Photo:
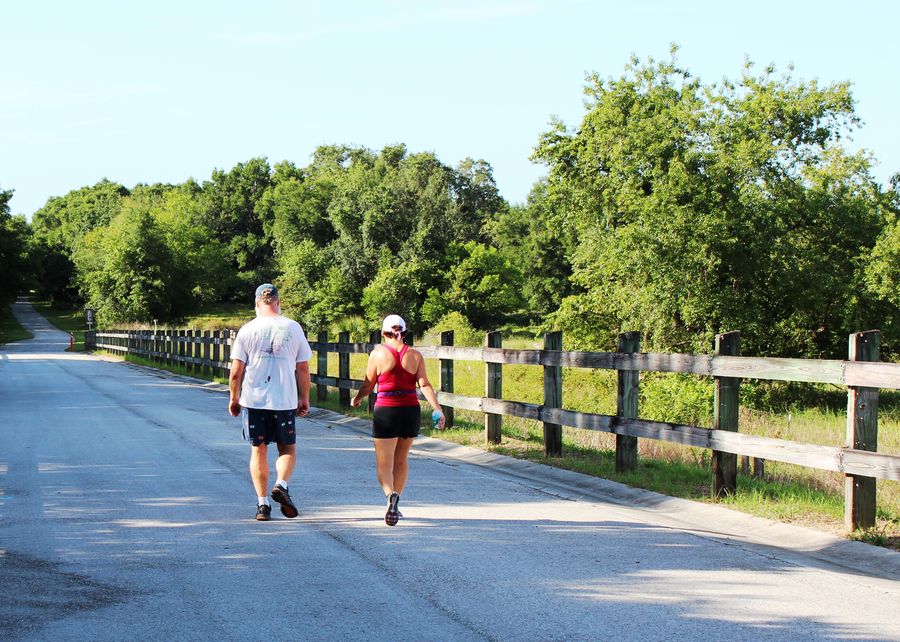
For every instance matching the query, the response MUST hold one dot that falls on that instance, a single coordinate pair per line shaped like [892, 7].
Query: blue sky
[166, 91]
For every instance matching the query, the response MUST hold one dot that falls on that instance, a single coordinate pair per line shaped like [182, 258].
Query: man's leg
[384, 463]
[401, 463]
[259, 469]
[287, 459]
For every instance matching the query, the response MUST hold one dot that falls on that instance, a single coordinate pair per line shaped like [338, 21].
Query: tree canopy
[677, 208]
[14, 241]
[702, 208]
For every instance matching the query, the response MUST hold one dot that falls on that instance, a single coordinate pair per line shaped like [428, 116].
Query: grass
[10, 330]
[221, 317]
[787, 493]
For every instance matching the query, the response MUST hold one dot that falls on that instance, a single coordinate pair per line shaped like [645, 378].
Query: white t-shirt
[271, 348]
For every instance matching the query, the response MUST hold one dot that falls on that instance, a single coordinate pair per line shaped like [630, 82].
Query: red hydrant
[71, 341]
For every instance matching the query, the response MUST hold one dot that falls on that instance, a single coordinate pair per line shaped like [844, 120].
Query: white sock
[281, 483]
[262, 501]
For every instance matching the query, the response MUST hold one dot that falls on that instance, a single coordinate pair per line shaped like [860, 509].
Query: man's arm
[235, 381]
[302, 374]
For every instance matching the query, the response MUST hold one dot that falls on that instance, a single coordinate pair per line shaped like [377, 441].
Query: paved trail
[126, 513]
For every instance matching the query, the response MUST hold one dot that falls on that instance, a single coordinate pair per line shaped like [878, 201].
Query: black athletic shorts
[396, 421]
[266, 426]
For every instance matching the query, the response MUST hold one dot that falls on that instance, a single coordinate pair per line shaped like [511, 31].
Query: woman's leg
[401, 463]
[384, 463]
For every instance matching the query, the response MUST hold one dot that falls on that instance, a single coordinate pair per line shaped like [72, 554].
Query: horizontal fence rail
[209, 352]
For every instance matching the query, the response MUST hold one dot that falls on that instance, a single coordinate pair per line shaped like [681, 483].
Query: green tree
[14, 240]
[302, 267]
[394, 217]
[297, 210]
[125, 269]
[539, 241]
[200, 271]
[65, 219]
[395, 290]
[230, 211]
[58, 229]
[483, 286]
[700, 209]
[882, 269]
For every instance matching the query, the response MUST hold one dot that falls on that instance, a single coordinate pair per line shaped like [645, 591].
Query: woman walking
[396, 369]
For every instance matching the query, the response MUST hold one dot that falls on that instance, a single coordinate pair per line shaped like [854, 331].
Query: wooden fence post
[216, 337]
[552, 397]
[445, 377]
[344, 369]
[374, 339]
[228, 337]
[627, 402]
[207, 353]
[862, 434]
[493, 389]
[198, 351]
[322, 366]
[725, 417]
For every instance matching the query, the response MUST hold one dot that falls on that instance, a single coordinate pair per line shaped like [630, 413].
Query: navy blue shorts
[266, 426]
[389, 422]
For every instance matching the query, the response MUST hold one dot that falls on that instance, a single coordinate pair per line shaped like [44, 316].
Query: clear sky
[163, 91]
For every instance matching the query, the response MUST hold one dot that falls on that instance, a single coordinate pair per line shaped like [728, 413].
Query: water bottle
[436, 418]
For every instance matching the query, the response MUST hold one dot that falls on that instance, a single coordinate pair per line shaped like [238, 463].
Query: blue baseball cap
[267, 290]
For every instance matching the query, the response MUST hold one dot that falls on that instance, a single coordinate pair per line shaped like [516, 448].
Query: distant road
[126, 513]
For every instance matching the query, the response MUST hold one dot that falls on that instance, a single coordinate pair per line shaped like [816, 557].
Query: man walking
[270, 378]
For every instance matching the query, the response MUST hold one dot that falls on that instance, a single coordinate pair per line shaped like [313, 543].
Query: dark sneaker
[392, 516]
[263, 513]
[280, 495]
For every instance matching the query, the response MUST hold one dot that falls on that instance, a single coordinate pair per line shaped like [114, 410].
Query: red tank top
[397, 387]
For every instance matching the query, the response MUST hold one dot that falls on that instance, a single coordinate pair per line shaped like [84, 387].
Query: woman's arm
[428, 391]
[368, 383]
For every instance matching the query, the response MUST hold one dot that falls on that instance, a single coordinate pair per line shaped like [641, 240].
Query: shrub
[463, 332]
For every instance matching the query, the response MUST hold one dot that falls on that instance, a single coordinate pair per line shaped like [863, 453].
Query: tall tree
[539, 241]
[230, 212]
[59, 227]
[14, 236]
[700, 209]
[125, 269]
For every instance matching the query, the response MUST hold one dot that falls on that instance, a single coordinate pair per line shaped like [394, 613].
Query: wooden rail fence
[208, 353]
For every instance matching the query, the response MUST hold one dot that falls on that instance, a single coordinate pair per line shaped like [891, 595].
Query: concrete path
[126, 513]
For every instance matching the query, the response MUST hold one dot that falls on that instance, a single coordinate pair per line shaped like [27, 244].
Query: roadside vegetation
[10, 330]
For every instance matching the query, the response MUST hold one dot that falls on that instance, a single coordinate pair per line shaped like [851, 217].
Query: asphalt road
[126, 513]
